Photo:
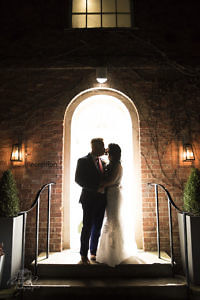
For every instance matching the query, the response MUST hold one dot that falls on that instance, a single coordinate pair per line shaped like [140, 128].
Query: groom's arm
[84, 177]
[80, 173]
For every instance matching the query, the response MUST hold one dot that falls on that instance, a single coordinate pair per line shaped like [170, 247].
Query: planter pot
[2, 260]
[193, 245]
[11, 236]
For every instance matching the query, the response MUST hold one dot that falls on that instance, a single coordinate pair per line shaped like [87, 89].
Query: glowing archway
[116, 121]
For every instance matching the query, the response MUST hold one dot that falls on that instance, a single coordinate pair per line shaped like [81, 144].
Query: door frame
[66, 158]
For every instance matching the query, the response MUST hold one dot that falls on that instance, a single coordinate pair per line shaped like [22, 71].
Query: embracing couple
[101, 196]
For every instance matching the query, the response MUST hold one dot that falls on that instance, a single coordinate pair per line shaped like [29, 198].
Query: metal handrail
[36, 204]
[170, 204]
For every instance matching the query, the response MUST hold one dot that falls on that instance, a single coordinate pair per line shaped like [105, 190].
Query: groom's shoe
[93, 257]
[84, 260]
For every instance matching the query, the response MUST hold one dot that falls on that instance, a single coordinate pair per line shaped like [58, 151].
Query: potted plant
[191, 205]
[11, 226]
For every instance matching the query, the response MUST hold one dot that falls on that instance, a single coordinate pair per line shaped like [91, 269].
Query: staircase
[142, 276]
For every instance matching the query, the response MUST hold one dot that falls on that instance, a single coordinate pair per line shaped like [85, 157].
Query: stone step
[169, 288]
[65, 265]
[95, 271]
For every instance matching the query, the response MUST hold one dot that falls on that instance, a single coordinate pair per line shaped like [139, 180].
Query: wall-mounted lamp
[101, 75]
[188, 153]
[16, 154]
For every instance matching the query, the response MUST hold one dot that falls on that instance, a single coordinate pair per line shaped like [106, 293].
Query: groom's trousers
[93, 205]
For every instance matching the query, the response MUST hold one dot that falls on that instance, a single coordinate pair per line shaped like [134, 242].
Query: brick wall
[33, 108]
[44, 67]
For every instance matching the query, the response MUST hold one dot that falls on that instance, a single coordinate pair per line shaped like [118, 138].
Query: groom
[89, 172]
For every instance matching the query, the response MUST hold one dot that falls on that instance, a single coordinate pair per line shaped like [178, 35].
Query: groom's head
[97, 145]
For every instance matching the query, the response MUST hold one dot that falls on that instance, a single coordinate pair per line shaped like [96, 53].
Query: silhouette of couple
[101, 196]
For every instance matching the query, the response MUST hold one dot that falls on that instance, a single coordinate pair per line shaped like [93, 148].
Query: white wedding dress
[111, 247]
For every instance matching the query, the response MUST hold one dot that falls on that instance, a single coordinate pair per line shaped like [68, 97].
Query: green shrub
[191, 195]
[9, 200]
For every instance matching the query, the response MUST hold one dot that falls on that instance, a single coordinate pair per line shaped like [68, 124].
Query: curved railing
[170, 205]
[36, 204]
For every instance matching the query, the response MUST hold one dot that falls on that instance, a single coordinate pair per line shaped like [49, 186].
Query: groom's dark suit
[88, 176]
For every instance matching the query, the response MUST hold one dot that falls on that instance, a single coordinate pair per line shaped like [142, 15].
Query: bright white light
[101, 75]
[101, 80]
[107, 117]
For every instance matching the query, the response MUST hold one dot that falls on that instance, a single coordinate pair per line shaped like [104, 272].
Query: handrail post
[170, 232]
[36, 204]
[37, 233]
[170, 204]
[48, 220]
[157, 220]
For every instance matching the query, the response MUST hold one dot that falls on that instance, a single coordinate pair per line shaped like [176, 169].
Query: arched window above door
[102, 13]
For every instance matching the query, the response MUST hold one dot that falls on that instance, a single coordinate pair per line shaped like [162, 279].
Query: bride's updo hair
[114, 151]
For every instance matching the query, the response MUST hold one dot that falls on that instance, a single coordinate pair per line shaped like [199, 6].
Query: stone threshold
[72, 257]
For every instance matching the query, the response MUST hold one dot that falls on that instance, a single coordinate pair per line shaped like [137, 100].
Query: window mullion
[101, 14]
[132, 12]
[86, 15]
[116, 13]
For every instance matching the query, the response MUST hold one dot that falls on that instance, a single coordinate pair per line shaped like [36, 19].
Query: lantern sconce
[188, 153]
[101, 75]
[16, 154]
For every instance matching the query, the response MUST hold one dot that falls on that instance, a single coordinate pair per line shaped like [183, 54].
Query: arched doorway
[109, 114]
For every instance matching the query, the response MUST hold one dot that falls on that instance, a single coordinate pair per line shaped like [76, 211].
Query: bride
[111, 249]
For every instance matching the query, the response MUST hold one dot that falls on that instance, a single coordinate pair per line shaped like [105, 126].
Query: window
[101, 13]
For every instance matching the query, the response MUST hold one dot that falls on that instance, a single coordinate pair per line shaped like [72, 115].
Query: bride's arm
[111, 179]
